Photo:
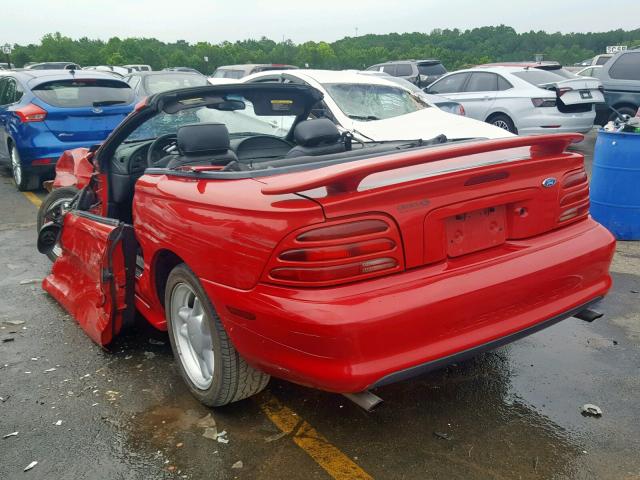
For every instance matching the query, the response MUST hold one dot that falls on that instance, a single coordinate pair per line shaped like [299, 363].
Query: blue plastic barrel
[615, 184]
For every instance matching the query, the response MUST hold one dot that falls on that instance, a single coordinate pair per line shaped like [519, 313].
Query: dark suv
[620, 78]
[420, 72]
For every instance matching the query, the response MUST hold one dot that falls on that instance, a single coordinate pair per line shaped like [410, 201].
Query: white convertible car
[376, 109]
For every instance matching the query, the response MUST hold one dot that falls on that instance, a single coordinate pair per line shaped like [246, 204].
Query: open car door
[93, 278]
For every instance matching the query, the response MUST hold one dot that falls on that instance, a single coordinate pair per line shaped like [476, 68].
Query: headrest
[203, 138]
[311, 133]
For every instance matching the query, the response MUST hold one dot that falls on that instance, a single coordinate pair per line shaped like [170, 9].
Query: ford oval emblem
[97, 110]
[549, 182]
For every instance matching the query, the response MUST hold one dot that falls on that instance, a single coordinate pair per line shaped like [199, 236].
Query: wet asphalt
[513, 413]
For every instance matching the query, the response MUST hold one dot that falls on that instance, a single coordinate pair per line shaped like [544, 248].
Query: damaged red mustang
[270, 243]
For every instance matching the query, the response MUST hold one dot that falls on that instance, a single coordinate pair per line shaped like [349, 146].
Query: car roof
[522, 64]
[410, 60]
[165, 72]
[35, 77]
[497, 69]
[329, 76]
[240, 66]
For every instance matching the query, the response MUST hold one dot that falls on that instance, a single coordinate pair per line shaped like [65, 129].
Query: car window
[602, 60]
[390, 69]
[537, 77]
[449, 84]
[3, 85]
[9, 92]
[503, 83]
[404, 70]
[242, 122]
[172, 81]
[626, 67]
[374, 68]
[84, 92]
[482, 82]
[431, 69]
[362, 101]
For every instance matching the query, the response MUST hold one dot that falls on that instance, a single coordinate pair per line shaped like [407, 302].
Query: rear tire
[52, 209]
[623, 111]
[24, 180]
[216, 380]
[503, 121]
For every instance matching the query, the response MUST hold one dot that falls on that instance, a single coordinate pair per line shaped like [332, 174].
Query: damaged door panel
[93, 279]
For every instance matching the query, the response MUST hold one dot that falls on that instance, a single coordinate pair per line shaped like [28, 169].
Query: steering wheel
[161, 147]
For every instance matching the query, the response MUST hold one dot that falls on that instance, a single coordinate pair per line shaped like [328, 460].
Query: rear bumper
[550, 120]
[349, 338]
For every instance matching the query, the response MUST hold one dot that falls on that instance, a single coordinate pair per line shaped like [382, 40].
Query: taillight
[461, 111]
[543, 102]
[339, 252]
[561, 91]
[574, 196]
[31, 113]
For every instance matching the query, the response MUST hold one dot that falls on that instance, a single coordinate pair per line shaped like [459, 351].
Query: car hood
[425, 124]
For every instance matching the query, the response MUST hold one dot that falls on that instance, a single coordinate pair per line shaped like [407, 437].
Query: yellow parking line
[332, 460]
[33, 198]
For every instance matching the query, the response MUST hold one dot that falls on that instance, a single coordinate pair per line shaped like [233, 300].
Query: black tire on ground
[623, 111]
[502, 121]
[233, 379]
[51, 209]
[23, 179]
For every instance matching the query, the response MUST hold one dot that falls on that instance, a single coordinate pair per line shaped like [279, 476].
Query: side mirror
[48, 237]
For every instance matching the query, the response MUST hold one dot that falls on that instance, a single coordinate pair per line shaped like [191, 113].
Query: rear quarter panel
[224, 230]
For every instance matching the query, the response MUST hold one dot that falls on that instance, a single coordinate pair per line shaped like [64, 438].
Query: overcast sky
[26, 21]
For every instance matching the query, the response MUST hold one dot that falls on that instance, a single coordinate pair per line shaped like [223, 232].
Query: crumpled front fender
[74, 168]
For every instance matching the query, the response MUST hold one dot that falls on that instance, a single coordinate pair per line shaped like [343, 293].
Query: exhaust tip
[588, 315]
[366, 400]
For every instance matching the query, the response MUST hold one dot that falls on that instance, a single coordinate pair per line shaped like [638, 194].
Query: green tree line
[455, 48]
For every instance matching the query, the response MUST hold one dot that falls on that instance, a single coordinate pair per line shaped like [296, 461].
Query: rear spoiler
[347, 177]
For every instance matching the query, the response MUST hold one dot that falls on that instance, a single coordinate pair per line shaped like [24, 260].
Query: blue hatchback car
[45, 112]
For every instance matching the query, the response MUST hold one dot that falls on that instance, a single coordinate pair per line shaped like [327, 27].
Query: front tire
[209, 364]
[52, 210]
[503, 121]
[23, 180]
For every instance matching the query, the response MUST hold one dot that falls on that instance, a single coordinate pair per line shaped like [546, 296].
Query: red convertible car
[269, 243]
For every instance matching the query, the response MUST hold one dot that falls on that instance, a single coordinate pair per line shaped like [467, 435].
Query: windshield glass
[431, 69]
[239, 122]
[537, 77]
[88, 92]
[172, 81]
[361, 101]
[227, 73]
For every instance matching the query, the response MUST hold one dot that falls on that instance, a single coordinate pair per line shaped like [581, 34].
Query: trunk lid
[578, 91]
[454, 201]
[83, 110]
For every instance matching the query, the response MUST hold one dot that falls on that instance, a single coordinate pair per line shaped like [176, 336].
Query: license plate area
[585, 94]
[477, 230]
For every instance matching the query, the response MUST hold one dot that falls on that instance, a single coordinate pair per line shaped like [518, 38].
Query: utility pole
[356, 31]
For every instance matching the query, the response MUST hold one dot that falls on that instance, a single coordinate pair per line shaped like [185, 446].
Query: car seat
[202, 144]
[316, 137]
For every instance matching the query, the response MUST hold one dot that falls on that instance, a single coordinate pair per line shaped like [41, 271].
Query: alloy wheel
[15, 166]
[502, 124]
[192, 333]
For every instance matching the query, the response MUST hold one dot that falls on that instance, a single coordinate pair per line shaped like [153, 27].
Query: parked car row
[50, 107]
